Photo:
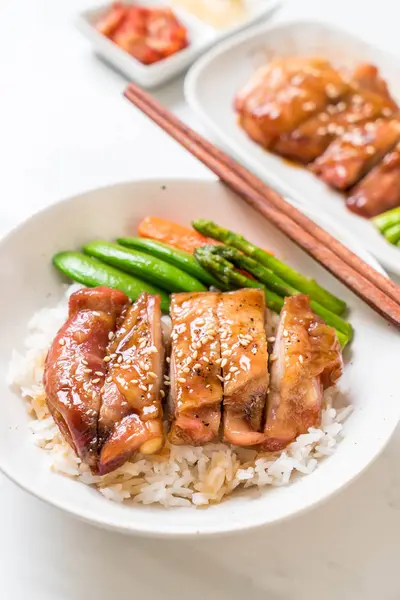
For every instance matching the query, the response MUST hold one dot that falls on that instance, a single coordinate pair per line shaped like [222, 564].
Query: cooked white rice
[180, 475]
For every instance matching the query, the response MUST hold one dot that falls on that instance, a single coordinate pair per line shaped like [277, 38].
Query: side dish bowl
[370, 381]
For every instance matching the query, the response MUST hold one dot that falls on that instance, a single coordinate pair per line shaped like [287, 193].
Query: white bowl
[30, 282]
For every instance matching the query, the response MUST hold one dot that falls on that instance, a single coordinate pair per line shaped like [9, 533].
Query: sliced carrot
[173, 234]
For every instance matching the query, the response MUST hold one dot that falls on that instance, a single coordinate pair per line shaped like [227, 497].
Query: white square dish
[211, 96]
[201, 37]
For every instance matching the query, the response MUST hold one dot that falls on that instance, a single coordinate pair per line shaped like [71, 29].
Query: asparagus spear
[387, 219]
[223, 269]
[392, 234]
[274, 283]
[289, 275]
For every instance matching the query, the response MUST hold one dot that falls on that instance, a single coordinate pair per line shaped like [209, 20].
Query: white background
[64, 128]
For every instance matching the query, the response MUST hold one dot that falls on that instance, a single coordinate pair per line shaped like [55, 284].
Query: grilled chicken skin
[379, 191]
[195, 385]
[244, 353]
[75, 368]
[131, 411]
[313, 136]
[285, 93]
[306, 359]
[354, 153]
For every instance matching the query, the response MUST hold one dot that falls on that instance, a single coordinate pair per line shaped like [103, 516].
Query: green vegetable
[174, 256]
[392, 234]
[91, 272]
[289, 275]
[387, 219]
[153, 270]
[274, 283]
[222, 268]
[232, 278]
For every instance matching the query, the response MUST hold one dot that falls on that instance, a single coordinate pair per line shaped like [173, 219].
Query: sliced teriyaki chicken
[131, 411]
[358, 150]
[311, 138]
[379, 191]
[195, 386]
[244, 354]
[306, 360]
[285, 93]
[75, 368]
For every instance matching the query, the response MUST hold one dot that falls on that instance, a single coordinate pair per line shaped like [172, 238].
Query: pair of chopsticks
[372, 287]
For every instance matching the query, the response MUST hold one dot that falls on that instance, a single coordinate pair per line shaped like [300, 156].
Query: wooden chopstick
[380, 293]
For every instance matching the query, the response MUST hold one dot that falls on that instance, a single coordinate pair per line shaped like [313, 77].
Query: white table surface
[64, 127]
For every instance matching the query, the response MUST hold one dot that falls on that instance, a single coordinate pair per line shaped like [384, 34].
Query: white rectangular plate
[214, 80]
[201, 36]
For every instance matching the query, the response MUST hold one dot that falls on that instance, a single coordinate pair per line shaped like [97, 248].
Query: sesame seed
[220, 378]
[271, 339]
[273, 357]
[113, 355]
[233, 369]
[211, 332]
[200, 322]
[181, 380]
[387, 112]
[153, 350]
[254, 350]
[332, 91]
[168, 359]
[99, 373]
[87, 370]
[61, 341]
[223, 362]
[197, 366]
[146, 367]
[96, 380]
[166, 376]
[208, 385]
[142, 344]
[194, 355]
[162, 393]
[128, 361]
[150, 387]
[167, 383]
[111, 335]
[285, 333]
[106, 359]
[186, 370]
[226, 353]
[153, 375]
[301, 359]
[142, 365]
[309, 106]
[205, 359]
[134, 381]
[84, 362]
[227, 378]
[189, 360]
[109, 379]
[119, 358]
[218, 361]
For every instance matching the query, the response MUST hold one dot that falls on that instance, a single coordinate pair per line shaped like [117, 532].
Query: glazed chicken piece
[306, 360]
[244, 353]
[131, 411]
[75, 368]
[285, 93]
[353, 154]
[379, 191]
[196, 389]
[367, 77]
[369, 99]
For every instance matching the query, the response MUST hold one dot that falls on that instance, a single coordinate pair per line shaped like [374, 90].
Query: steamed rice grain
[179, 475]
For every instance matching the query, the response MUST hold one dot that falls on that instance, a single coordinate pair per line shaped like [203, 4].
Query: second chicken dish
[342, 125]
